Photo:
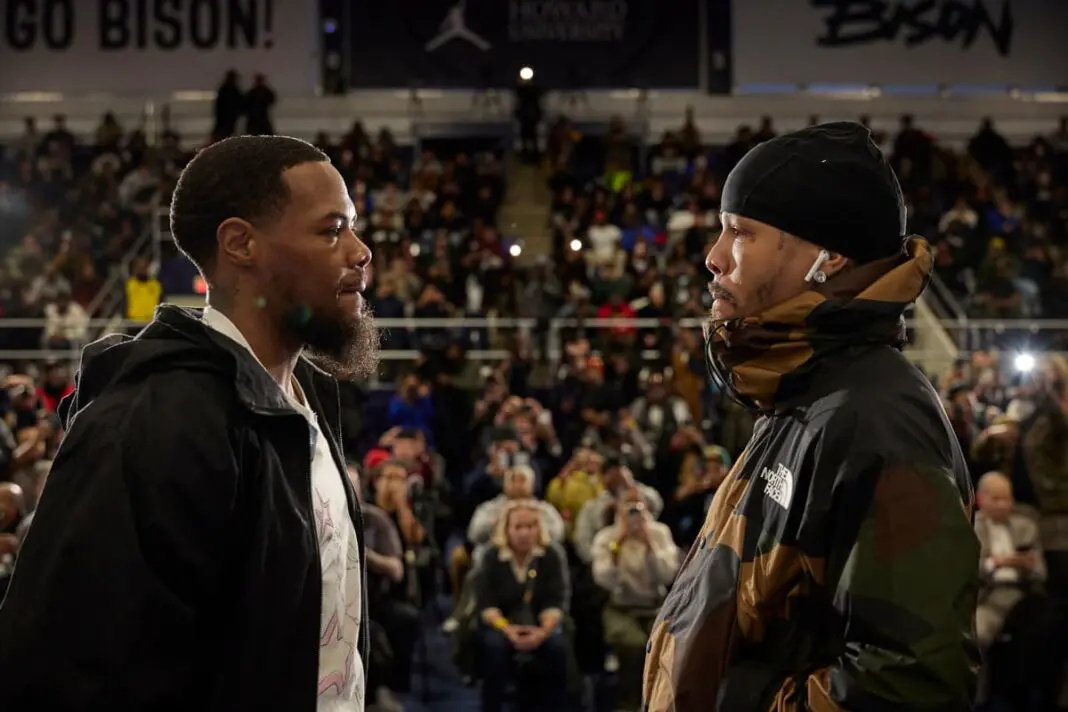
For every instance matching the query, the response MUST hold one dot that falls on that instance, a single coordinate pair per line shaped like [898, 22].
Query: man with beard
[199, 544]
[837, 568]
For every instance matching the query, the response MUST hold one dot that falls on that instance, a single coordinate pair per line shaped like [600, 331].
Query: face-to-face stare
[755, 266]
[315, 271]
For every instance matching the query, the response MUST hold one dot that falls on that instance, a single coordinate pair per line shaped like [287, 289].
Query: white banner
[901, 42]
[155, 46]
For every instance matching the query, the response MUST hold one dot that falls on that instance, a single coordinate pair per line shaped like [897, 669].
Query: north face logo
[778, 484]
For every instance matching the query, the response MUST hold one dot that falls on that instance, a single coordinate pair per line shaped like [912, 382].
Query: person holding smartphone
[634, 560]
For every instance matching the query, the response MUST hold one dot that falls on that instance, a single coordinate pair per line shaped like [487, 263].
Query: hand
[1026, 560]
[18, 379]
[1014, 560]
[1005, 433]
[530, 638]
[398, 496]
[389, 436]
[514, 634]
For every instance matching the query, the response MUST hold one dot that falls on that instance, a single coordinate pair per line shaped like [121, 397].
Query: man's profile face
[313, 269]
[755, 266]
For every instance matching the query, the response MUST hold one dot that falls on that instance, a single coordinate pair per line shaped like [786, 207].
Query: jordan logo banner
[478, 43]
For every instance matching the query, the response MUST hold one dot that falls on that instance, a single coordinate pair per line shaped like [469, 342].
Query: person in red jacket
[55, 387]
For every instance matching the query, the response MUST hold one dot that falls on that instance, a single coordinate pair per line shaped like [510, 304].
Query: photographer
[701, 477]
[390, 483]
[485, 481]
[396, 617]
[618, 480]
[634, 560]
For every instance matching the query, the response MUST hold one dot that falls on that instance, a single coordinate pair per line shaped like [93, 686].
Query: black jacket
[173, 560]
[497, 587]
[837, 568]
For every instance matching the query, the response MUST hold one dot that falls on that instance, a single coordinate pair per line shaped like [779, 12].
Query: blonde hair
[500, 532]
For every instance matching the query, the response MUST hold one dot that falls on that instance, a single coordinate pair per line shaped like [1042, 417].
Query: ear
[835, 264]
[237, 244]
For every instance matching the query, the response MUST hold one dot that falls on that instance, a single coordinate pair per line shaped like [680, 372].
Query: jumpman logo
[454, 27]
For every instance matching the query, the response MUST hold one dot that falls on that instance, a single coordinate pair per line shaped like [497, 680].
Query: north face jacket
[173, 562]
[837, 566]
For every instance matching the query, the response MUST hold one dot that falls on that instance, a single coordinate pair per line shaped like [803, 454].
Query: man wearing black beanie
[837, 568]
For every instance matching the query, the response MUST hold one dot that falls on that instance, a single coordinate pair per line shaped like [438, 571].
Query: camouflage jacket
[837, 567]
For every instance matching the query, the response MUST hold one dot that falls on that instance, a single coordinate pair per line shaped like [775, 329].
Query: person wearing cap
[837, 566]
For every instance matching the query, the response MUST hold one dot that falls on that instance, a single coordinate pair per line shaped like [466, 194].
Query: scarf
[765, 359]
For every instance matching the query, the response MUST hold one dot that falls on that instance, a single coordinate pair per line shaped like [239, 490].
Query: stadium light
[1024, 362]
[515, 250]
[526, 74]
[576, 245]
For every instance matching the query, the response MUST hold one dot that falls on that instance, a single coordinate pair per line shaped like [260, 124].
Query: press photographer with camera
[634, 560]
[617, 480]
[395, 620]
[485, 481]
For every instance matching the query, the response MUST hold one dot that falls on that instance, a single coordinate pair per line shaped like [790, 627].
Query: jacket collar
[765, 361]
[255, 387]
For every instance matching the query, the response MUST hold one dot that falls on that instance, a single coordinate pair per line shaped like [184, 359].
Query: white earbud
[815, 274]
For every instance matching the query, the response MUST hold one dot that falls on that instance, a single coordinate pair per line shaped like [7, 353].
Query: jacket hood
[176, 339]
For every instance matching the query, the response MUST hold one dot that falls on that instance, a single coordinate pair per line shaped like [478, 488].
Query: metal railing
[1023, 330]
[112, 292]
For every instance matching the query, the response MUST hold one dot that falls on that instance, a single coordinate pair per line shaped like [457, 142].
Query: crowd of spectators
[70, 209]
[534, 501]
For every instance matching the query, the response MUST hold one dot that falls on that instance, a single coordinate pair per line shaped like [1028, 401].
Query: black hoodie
[173, 560]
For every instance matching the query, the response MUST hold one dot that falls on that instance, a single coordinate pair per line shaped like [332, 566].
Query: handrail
[118, 275]
[385, 354]
[946, 296]
[1033, 325]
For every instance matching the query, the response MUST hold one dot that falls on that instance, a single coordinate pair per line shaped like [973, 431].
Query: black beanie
[828, 184]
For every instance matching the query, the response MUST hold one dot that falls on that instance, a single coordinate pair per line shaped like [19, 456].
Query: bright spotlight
[1024, 363]
[526, 74]
[576, 245]
[515, 250]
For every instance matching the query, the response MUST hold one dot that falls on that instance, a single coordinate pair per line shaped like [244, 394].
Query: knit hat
[827, 184]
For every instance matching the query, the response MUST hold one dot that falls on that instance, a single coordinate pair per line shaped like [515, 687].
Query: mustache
[719, 292]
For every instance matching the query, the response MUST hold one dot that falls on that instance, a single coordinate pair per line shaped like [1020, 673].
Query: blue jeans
[540, 679]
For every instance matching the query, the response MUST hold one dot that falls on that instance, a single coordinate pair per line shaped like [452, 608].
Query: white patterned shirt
[341, 681]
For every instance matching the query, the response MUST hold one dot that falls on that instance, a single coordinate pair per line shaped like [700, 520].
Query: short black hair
[239, 177]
